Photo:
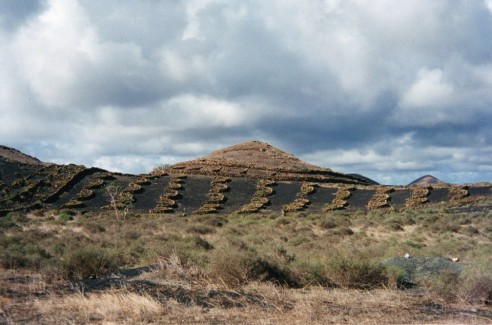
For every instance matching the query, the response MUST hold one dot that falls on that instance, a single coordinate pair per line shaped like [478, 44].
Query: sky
[392, 90]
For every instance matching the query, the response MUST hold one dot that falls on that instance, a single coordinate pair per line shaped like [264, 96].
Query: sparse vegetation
[264, 267]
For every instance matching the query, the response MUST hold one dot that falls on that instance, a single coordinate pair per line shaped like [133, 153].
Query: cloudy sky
[389, 89]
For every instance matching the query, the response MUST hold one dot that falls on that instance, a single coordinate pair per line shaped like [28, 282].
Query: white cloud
[189, 111]
[488, 4]
[429, 90]
[340, 79]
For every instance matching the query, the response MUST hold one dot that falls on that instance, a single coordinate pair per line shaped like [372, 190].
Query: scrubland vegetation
[56, 267]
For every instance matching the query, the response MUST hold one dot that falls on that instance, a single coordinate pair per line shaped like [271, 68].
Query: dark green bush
[7, 222]
[65, 217]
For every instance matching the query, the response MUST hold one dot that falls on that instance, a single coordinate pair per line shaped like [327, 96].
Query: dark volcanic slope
[26, 184]
[240, 193]
[364, 178]
[259, 160]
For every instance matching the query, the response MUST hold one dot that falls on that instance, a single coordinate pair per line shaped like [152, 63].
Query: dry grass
[105, 307]
[282, 306]
[246, 269]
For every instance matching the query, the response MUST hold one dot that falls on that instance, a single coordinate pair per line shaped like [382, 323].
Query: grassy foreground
[243, 269]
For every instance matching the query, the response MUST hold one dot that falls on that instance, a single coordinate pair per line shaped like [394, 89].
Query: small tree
[119, 201]
[161, 167]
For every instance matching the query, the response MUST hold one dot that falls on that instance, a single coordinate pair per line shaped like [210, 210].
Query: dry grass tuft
[111, 306]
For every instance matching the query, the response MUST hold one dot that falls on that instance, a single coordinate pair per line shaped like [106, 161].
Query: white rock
[407, 255]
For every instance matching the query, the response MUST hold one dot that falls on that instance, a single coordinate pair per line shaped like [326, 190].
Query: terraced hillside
[251, 177]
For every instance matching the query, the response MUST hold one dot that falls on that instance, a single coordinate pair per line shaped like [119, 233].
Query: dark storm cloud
[383, 88]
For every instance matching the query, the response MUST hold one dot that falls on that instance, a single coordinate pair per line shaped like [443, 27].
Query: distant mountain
[364, 178]
[426, 180]
[13, 155]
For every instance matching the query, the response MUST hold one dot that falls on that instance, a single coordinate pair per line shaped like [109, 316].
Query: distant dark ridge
[364, 178]
[427, 180]
[13, 155]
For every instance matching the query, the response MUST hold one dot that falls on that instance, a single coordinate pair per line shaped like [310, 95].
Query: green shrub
[298, 240]
[236, 268]
[312, 272]
[394, 225]
[200, 229]
[356, 271]
[444, 286]
[15, 252]
[94, 227]
[216, 222]
[470, 231]
[341, 231]
[414, 244]
[202, 243]
[90, 262]
[328, 223]
[65, 217]
[7, 222]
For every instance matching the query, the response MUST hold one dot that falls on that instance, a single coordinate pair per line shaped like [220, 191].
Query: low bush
[444, 286]
[478, 289]
[16, 253]
[354, 270]
[200, 229]
[236, 268]
[90, 262]
[7, 222]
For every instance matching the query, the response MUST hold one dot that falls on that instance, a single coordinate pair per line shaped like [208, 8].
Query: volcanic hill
[426, 180]
[15, 156]
[259, 160]
[251, 177]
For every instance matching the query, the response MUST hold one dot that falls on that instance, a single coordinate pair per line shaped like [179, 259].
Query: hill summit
[256, 159]
[15, 156]
[426, 180]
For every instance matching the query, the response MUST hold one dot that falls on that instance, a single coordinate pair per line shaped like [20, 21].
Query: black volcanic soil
[480, 190]
[10, 171]
[320, 198]
[399, 197]
[195, 194]
[438, 195]
[50, 186]
[360, 198]
[240, 193]
[284, 193]
[149, 198]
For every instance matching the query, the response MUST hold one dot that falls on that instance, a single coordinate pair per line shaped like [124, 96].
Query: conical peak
[260, 154]
[260, 160]
[426, 180]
